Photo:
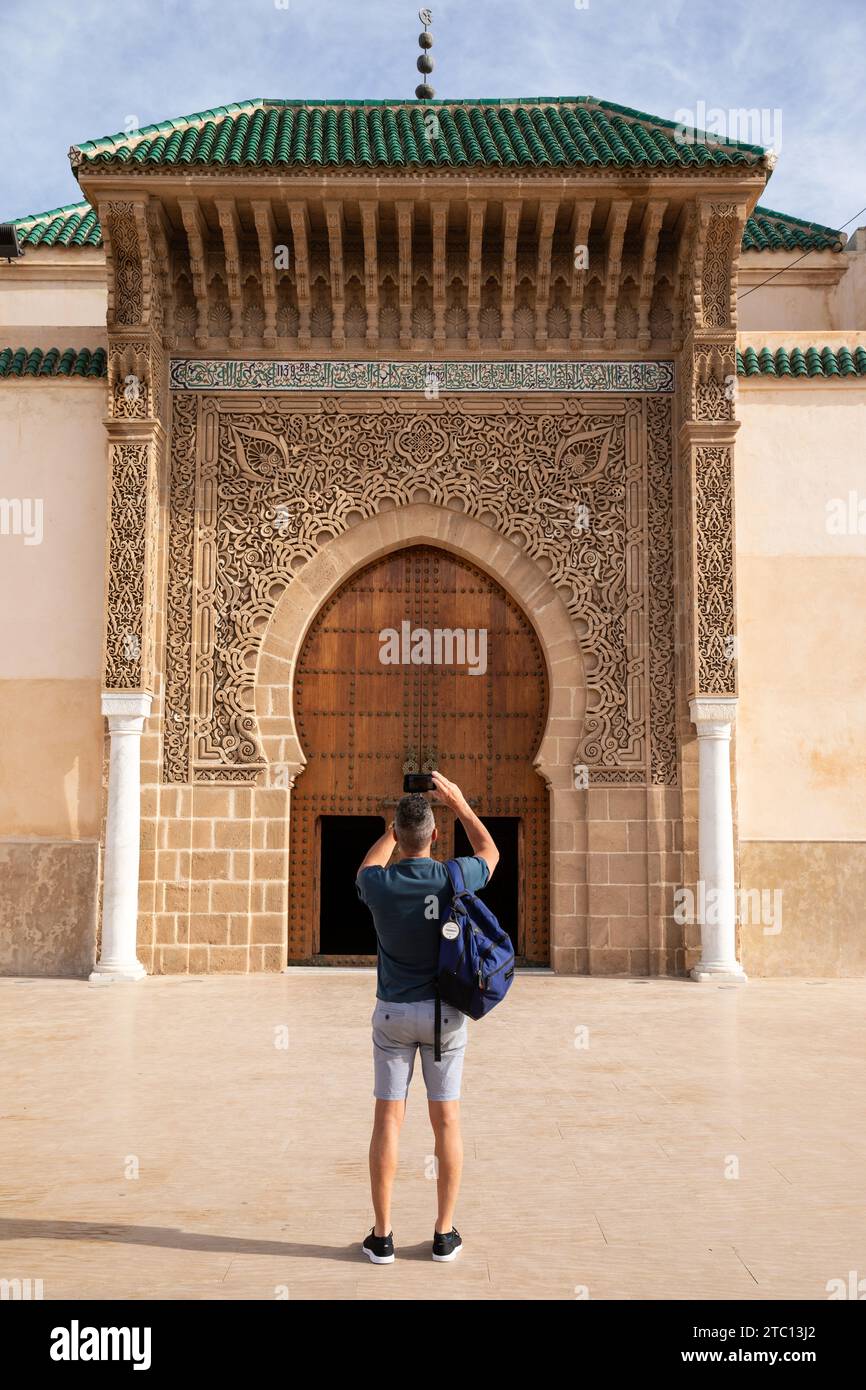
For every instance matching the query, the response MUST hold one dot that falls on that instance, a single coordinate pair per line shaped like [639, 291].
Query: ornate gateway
[310, 369]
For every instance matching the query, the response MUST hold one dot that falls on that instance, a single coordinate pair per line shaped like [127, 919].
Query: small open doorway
[346, 934]
[345, 924]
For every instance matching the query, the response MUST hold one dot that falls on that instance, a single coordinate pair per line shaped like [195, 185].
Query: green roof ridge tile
[284, 138]
[798, 363]
[812, 361]
[52, 362]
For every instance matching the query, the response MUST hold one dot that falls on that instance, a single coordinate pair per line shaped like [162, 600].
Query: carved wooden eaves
[477, 210]
[544, 236]
[370, 224]
[301, 238]
[228, 220]
[266, 231]
[650, 228]
[581, 219]
[614, 235]
[196, 234]
[683, 302]
[439, 225]
[405, 211]
[510, 225]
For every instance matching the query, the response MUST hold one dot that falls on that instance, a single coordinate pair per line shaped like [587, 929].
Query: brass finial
[424, 92]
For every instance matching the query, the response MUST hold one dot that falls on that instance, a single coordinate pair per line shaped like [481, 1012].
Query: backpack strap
[458, 886]
[455, 874]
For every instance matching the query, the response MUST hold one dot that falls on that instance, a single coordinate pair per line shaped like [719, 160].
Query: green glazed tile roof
[76, 224]
[784, 362]
[56, 362]
[777, 231]
[530, 132]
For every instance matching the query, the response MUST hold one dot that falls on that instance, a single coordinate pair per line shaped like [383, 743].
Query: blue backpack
[476, 957]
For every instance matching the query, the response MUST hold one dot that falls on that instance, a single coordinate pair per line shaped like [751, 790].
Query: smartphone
[418, 782]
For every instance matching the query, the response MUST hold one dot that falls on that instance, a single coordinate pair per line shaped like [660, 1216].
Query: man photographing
[407, 901]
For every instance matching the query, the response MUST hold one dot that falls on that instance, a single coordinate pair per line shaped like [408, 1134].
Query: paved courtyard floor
[160, 1141]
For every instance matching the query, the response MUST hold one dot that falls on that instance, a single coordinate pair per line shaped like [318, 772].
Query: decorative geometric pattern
[201, 374]
[180, 571]
[132, 510]
[714, 557]
[274, 479]
[662, 660]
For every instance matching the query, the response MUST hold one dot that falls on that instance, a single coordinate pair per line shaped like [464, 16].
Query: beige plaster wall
[52, 447]
[53, 287]
[53, 451]
[849, 300]
[819, 927]
[824, 291]
[801, 736]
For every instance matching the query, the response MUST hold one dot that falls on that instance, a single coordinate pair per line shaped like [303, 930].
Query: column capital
[125, 712]
[713, 716]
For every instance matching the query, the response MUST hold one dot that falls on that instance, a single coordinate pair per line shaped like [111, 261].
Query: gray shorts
[398, 1031]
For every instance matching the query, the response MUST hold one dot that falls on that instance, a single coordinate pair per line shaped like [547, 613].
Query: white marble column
[126, 715]
[717, 910]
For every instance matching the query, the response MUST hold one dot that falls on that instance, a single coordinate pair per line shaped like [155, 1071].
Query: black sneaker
[447, 1246]
[379, 1249]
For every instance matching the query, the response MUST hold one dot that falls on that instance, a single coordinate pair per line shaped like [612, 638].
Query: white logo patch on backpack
[450, 931]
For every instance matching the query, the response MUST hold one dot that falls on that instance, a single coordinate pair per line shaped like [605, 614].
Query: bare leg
[384, 1146]
[445, 1119]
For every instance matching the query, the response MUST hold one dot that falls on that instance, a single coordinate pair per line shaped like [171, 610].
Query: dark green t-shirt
[408, 901]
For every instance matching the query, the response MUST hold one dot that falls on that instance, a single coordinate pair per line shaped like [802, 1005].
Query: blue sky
[77, 69]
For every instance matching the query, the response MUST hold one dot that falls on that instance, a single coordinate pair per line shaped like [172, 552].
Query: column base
[105, 974]
[719, 974]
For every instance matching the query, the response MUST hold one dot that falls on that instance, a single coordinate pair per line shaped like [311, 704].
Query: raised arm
[378, 854]
[479, 837]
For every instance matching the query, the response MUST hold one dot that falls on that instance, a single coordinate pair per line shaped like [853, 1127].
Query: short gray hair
[414, 822]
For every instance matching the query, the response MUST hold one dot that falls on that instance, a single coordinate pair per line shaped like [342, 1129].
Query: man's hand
[450, 793]
[479, 836]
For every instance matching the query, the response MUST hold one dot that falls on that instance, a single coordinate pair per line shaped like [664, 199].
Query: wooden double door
[419, 661]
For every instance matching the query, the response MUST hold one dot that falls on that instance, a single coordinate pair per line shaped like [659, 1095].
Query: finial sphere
[425, 63]
[424, 92]
[425, 40]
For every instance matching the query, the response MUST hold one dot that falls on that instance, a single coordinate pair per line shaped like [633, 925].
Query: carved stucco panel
[179, 599]
[572, 481]
[714, 559]
[133, 504]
